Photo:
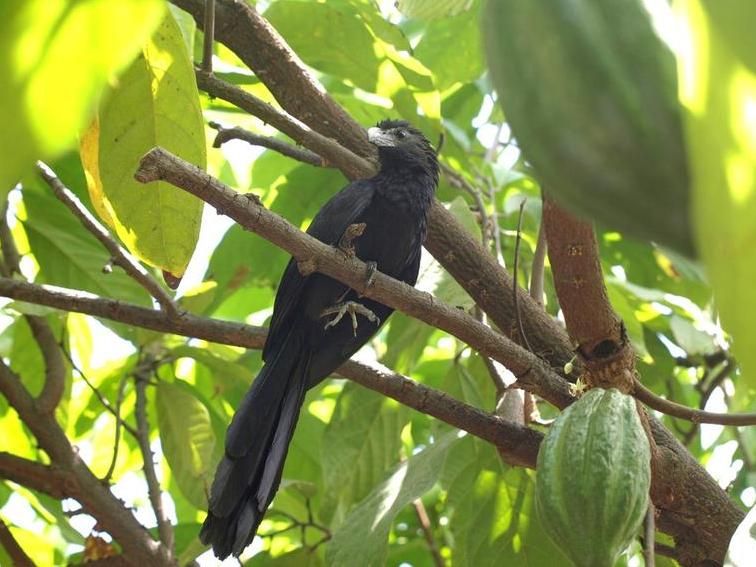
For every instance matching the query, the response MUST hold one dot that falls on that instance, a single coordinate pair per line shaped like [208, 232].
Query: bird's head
[402, 145]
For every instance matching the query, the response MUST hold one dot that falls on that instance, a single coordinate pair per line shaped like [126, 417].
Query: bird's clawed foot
[351, 307]
[346, 242]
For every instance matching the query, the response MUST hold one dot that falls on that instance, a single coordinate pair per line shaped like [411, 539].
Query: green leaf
[155, 103]
[188, 439]
[717, 88]
[360, 444]
[363, 535]
[55, 58]
[432, 9]
[451, 49]
[492, 515]
[330, 37]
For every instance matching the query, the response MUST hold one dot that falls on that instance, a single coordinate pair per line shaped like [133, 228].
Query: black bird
[315, 326]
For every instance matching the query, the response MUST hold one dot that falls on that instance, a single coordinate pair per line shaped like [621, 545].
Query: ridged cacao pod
[593, 477]
[590, 92]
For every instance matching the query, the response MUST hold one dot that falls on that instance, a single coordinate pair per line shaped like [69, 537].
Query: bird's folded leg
[346, 242]
[351, 307]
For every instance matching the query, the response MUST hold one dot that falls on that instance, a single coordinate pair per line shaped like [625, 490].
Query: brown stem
[649, 537]
[425, 525]
[693, 415]
[283, 148]
[209, 29]
[165, 529]
[353, 166]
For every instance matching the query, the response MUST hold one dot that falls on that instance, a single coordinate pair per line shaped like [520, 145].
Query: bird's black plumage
[300, 352]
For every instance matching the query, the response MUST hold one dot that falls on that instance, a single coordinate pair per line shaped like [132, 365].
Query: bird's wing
[328, 226]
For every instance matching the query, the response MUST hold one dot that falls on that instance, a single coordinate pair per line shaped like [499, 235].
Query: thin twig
[715, 381]
[120, 256]
[96, 391]
[284, 148]
[209, 30]
[165, 529]
[352, 165]
[518, 316]
[16, 553]
[649, 530]
[119, 424]
[693, 415]
[425, 525]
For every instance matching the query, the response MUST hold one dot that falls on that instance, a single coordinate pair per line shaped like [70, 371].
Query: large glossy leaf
[55, 58]
[344, 42]
[451, 48]
[362, 537]
[188, 439]
[154, 104]
[718, 89]
[493, 519]
[360, 444]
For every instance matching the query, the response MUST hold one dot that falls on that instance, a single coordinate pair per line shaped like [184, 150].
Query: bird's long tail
[256, 444]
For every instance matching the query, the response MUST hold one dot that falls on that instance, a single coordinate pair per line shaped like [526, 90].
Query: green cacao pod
[590, 92]
[594, 474]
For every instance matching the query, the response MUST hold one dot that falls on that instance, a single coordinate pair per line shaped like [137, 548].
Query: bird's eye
[401, 134]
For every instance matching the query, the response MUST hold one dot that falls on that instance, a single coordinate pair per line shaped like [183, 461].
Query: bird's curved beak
[380, 137]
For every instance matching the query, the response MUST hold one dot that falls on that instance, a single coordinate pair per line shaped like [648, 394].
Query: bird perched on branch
[318, 323]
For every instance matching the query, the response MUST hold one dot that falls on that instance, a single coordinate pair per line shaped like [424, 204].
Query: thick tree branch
[47, 479]
[120, 256]
[289, 150]
[250, 214]
[575, 263]
[97, 499]
[520, 443]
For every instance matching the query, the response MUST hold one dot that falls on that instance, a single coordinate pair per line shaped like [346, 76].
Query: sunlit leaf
[55, 58]
[155, 103]
[360, 444]
[361, 538]
[718, 90]
[188, 439]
